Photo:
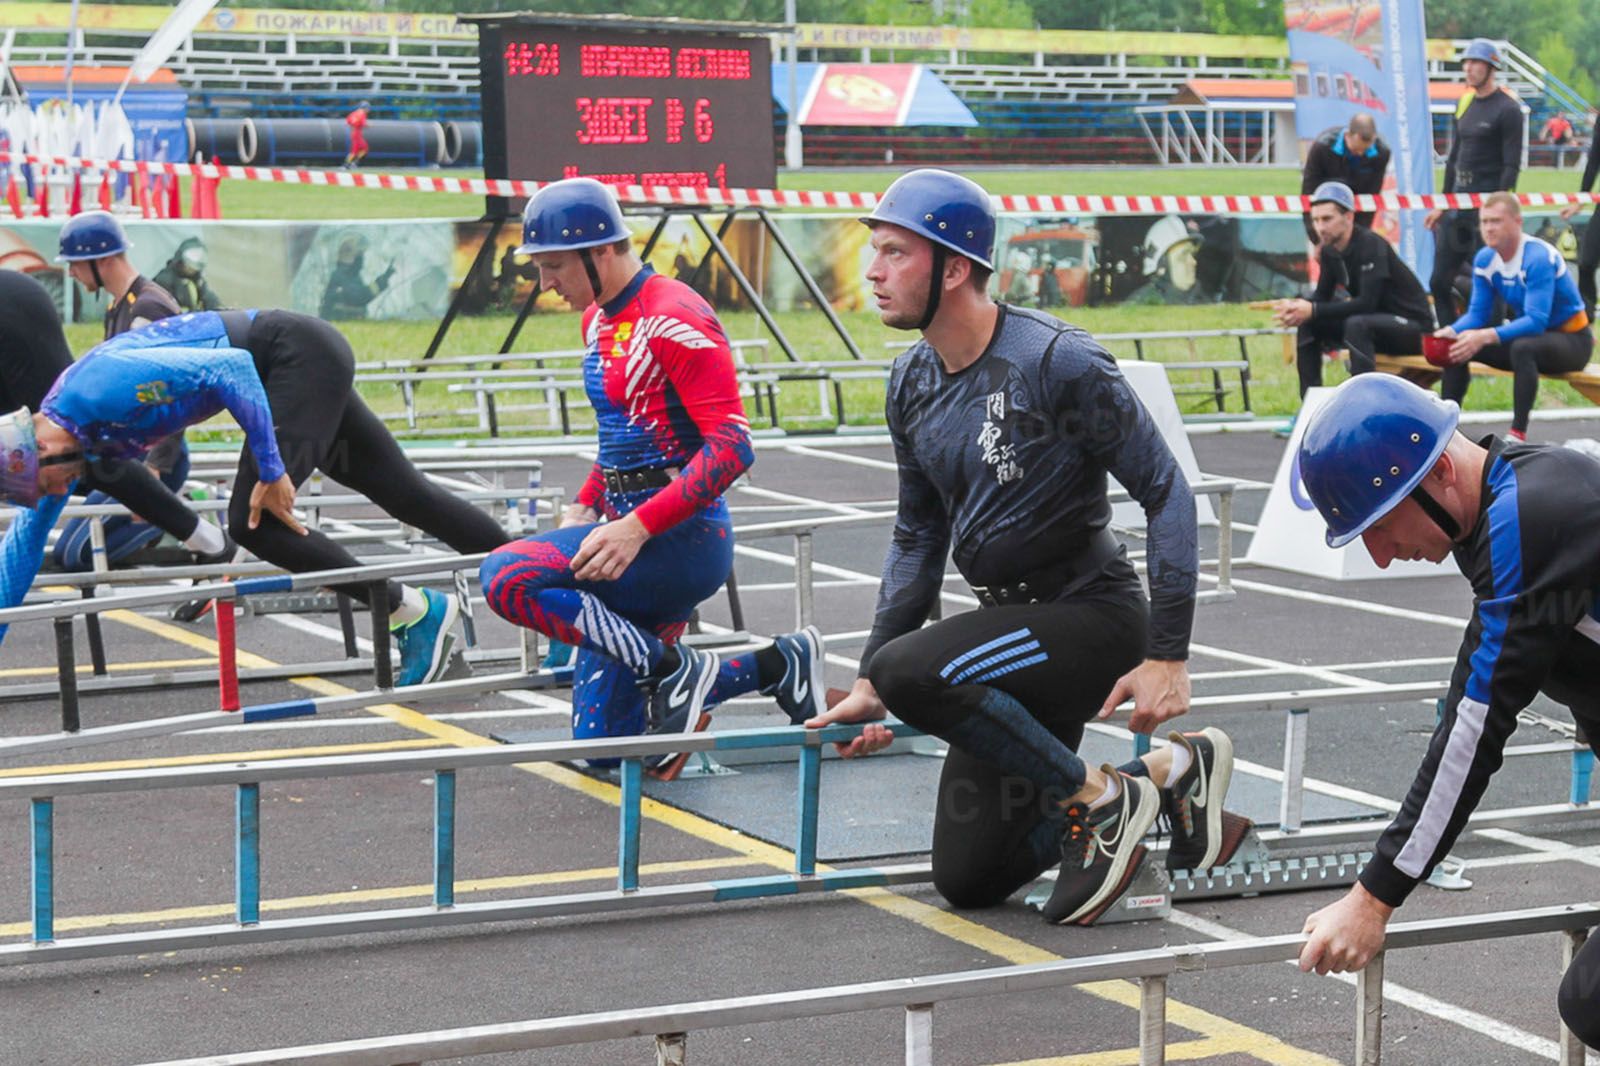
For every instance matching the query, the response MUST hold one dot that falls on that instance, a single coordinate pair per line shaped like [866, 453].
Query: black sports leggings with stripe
[993, 832]
[322, 424]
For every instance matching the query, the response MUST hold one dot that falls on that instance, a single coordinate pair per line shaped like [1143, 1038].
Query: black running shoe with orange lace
[1101, 851]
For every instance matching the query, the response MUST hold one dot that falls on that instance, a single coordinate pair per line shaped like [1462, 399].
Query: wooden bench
[1416, 368]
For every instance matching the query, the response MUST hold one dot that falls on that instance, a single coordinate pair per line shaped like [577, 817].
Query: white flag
[172, 33]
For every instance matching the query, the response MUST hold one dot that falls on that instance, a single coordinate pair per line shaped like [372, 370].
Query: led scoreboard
[663, 106]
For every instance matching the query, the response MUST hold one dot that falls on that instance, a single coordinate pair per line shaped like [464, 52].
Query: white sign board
[1291, 534]
[1150, 384]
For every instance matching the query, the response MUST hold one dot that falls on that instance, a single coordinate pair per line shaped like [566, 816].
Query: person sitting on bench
[1547, 329]
[1367, 299]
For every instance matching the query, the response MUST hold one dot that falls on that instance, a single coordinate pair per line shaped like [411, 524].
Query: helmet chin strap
[1434, 510]
[589, 269]
[935, 287]
[94, 268]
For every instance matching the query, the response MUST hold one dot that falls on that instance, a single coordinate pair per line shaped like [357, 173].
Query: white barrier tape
[687, 196]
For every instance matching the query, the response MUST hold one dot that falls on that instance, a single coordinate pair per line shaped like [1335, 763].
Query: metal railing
[917, 997]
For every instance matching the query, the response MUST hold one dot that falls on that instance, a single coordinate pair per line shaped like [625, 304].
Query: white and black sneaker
[677, 705]
[1201, 836]
[800, 692]
[1101, 851]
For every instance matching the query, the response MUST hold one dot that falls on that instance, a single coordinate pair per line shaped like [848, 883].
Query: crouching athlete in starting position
[287, 379]
[673, 437]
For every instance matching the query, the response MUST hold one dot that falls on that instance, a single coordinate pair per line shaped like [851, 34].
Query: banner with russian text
[1350, 56]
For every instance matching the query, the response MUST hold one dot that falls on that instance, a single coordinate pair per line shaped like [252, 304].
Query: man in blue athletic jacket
[1383, 461]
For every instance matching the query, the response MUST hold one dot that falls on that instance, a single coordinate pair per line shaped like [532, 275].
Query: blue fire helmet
[1334, 192]
[568, 215]
[1369, 447]
[1486, 50]
[946, 208]
[92, 235]
[19, 458]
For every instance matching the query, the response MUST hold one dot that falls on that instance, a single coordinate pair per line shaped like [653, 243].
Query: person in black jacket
[1589, 250]
[1353, 154]
[1485, 156]
[1383, 461]
[1367, 299]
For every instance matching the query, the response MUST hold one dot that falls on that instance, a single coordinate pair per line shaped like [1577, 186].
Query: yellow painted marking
[220, 757]
[1185, 1051]
[157, 664]
[372, 895]
[1259, 1045]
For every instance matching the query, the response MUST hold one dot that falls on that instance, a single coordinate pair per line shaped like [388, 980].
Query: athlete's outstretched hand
[609, 549]
[1160, 691]
[277, 498]
[861, 705]
[1345, 935]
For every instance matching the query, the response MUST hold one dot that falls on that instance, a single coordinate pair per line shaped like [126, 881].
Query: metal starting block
[1148, 896]
[309, 602]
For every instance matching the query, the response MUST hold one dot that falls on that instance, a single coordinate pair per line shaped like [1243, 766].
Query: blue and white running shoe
[425, 644]
[677, 705]
[801, 692]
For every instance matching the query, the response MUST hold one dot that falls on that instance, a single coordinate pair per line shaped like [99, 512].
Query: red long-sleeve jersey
[660, 374]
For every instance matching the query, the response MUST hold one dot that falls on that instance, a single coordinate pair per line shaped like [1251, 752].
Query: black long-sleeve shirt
[1329, 159]
[1373, 276]
[1008, 458]
[1486, 150]
[1535, 627]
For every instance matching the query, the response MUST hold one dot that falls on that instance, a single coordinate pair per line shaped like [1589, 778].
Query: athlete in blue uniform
[1547, 327]
[286, 378]
[1005, 423]
[1383, 461]
[672, 439]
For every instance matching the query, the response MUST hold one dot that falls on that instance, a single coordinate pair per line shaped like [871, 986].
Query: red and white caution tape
[692, 197]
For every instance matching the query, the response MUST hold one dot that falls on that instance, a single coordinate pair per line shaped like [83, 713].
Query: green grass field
[1273, 386]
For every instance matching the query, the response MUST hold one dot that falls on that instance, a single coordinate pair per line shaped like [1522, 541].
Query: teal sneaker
[425, 644]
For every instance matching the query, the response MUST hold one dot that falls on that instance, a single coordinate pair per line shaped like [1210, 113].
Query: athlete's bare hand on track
[862, 705]
[609, 549]
[1160, 691]
[277, 499]
[1344, 936]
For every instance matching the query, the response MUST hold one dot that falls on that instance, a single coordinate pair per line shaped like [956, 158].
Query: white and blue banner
[1369, 57]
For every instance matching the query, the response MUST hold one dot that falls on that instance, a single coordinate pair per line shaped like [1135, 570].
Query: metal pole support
[1291, 802]
[1152, 1021]
[804, 603]
[382, 668]
[1369, 1013]
[919, 1034]
[67, 674]
[1573, 1051]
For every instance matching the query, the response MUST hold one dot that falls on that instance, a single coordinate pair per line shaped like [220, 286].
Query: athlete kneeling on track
[1383, 461]
[673, 437]
[287, 379]
[1005, 422]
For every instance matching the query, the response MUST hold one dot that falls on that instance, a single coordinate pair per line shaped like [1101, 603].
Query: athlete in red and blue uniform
[673, 437]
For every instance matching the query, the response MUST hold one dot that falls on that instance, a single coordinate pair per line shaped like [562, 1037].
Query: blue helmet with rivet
[1486, 50]
[1369, 448]
[92, 235]
[19, 458]
[946, 208]
[569, 215]
[1334, 192]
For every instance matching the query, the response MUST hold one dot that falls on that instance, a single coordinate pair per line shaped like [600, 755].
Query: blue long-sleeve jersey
[1540, 293]
[142, 386]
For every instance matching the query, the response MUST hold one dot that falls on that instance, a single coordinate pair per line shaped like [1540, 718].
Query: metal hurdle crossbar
[917, 997]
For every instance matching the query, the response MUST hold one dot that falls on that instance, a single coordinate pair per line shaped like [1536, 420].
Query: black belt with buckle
[1048, 582]
[621, 481]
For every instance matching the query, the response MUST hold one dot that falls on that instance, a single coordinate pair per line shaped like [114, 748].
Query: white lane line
[1321, 673]
[803, 501]
[1347, 602]
[844, 457]
[1539, 845]
[1493, 1028]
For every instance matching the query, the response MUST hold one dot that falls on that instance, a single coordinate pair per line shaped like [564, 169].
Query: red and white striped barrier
[687, 196]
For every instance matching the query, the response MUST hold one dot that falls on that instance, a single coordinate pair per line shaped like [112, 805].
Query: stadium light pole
[792, 152]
